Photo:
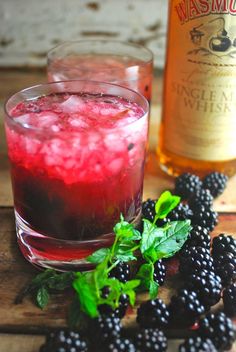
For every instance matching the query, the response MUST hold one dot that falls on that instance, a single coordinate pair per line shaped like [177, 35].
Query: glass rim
[48, 84]
[124, 43]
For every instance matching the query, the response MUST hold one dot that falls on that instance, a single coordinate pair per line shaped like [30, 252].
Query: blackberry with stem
[64, 340]
[106, 309]
[197, 344]
[121, 272]
[216, 183]
[151, 340]
[222, 244]
[153, 314]
[219, 328]
[207, 285]
[229, 299]
[187, 184]
[185, 308]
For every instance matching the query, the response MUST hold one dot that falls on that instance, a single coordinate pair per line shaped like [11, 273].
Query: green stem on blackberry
[113, 266]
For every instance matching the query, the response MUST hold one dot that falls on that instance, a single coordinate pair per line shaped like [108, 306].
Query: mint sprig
[129, 244]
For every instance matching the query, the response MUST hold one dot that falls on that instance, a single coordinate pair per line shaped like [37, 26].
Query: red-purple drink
[129, 65]
[77, 153]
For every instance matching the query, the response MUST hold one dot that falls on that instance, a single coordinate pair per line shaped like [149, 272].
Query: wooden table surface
[22, 326]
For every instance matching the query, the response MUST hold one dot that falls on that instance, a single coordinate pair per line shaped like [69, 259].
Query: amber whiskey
[198, 127]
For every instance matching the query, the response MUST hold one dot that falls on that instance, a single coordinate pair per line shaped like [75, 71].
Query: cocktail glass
[126, 64]
[76, 151]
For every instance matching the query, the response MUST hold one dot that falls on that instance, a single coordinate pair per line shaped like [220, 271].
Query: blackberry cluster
[198, 237]
[197, 344]
[148, 209]
[215, 182]
[201, 197]
[185, 308]
[222, 244]
[229, 299]
[181, 212]
[121, 345]
[121, 272]
[187, 184]
[225, 267]
[207, 285]
[105, 328]
[205, 217]
[153, 314]
[159, 272]
[219, 328]
[64, 341]
[224, 255]
[195, 260]
[106, 309]
[151, 340]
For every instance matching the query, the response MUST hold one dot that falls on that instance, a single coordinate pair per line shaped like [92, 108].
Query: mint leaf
[174, 238]
[98, 256]
[60, 281]
[150, 235]
[165, 204]
[126, 232]
[153, 289]
[42, 297]
[86, 291]
[130, 285]
[145, 274]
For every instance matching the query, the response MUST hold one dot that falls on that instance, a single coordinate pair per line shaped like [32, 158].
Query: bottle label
[200, 84]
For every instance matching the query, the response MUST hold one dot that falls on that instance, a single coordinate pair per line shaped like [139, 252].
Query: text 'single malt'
[199, 109]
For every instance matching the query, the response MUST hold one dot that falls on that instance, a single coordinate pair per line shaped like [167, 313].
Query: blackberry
[207, 285]
[159, 272]
[215, 182]
[198, 237]
[148, 209]
[181, 212]
[205, 217]
[222, 244]
[151, 340]
[201, 197]
[195, 259]
[197, 344]
[64, 341]
[121, 272]
[153, 314]
[106, 309]
[219, 328]
[185, 308]
[121, 345]
[229, 299]
[105, 328]
[225, 267]
[187, 184]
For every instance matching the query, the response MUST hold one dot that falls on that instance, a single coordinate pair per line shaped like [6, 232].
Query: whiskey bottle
[198, 127]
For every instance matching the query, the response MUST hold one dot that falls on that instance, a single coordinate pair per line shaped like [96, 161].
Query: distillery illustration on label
[220, 42]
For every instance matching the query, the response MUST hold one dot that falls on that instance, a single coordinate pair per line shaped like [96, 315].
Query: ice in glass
[128, 65]
[77, 153]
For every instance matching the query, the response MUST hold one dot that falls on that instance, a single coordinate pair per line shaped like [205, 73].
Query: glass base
[48, 252]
